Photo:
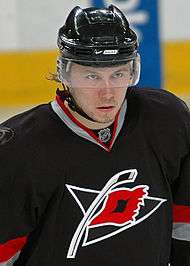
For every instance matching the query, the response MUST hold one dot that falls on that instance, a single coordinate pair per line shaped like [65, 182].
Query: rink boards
[25, 74]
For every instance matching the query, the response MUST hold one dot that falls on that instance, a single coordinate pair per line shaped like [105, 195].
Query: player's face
[100, 92]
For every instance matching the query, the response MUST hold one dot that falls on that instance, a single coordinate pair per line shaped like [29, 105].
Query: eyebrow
[117, 70]
[122, 68]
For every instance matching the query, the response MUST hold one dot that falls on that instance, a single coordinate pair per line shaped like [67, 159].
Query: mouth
[106, 108]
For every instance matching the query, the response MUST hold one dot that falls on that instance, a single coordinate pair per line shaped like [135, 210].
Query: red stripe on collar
[86, 129]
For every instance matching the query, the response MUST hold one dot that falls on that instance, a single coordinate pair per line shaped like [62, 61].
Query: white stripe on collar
[80, 131]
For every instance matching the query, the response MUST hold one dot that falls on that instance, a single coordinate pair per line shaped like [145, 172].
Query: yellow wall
[23, 74]
[177, 67]
[24, 77]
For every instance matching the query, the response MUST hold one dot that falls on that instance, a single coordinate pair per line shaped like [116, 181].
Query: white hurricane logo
[114, 208]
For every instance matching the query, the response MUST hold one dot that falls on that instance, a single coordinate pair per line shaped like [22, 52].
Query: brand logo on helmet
[98, 51]
[108, 52]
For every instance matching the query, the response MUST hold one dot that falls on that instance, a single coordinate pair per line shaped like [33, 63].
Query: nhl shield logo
[113, 209]
[104, 135]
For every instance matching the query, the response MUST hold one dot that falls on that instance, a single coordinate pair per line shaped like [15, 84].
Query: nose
[106, 88]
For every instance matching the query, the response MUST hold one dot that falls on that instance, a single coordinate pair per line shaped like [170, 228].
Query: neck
[86, 122]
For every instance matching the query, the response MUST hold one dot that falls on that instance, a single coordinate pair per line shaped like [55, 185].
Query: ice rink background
[28, 52]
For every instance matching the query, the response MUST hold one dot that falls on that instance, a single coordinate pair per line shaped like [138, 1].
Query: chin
[104, 120]
[107, 118]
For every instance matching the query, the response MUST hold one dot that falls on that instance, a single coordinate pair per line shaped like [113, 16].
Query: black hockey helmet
[97, 34]
[97, 37]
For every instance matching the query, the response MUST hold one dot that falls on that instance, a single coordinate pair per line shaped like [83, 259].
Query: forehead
[101, 70]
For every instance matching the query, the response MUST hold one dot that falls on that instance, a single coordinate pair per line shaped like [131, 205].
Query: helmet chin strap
[67, 96]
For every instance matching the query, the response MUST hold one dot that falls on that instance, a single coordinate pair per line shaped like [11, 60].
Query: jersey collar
[77, 127]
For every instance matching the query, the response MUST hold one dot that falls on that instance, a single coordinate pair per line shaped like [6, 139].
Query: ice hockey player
[101, 175]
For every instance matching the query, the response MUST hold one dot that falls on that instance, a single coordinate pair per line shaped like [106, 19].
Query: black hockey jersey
[68, 199]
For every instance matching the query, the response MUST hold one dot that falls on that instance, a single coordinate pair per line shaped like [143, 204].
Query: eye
[92, 76]
[118, 75]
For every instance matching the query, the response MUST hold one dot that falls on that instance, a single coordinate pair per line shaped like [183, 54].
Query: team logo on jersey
[6, 134]
[112, 210]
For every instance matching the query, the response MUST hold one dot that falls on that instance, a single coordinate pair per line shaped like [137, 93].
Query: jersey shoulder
[24, 126]
[164, 116]
[161, 102]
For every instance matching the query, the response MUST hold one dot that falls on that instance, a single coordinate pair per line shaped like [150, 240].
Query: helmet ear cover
[136, 70]
[63, 68]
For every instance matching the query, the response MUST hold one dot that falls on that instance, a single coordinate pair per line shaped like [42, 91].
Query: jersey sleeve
[180, 249]
[17, 199]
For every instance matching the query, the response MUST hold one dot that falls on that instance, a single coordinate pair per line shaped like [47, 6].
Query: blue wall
[144, 17]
